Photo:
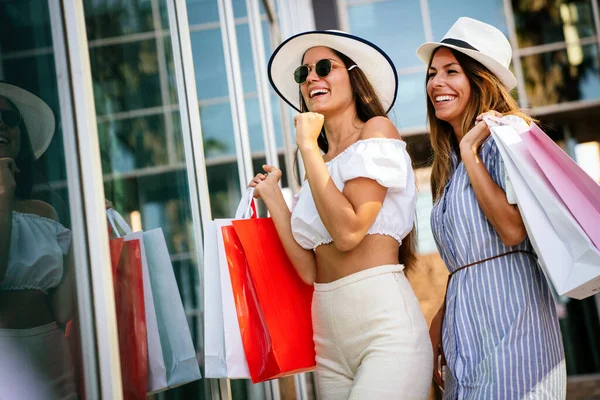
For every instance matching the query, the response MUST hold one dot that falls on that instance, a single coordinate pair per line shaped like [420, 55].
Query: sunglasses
[322, 68]
[10, 118]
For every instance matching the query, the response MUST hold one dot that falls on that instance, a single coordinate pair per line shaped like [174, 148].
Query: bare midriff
[373, 251]
[22, 309]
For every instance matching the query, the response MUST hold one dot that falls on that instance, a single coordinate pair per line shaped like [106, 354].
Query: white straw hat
[374, 63]
[37, 116]
[480, 41]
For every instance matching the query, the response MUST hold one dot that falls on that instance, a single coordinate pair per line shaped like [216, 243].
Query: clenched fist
[8, 170]
[308, 127]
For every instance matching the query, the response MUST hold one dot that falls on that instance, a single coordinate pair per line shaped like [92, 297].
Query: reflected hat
[374, 63]
[37, 116]
[480, 41]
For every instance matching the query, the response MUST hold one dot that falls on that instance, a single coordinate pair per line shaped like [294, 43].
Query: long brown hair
[368, 105]
[487, 93]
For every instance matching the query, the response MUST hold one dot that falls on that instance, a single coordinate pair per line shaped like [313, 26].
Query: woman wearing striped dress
[500, 335]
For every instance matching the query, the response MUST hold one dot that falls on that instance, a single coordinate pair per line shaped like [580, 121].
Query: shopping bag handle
[117, 221]
[514, 122]
[246, 209]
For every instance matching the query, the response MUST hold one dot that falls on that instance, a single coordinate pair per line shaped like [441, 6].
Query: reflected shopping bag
[157, 373]
[272, 302]
[175, 337]
[568, 258]
[579, 192]
[131, 317]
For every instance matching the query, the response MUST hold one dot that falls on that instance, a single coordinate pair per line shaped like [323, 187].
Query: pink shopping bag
[579, 192]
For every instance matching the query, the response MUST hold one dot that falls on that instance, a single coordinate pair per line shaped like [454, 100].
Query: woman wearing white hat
[350, 233]
[501, 337]
[36, 282]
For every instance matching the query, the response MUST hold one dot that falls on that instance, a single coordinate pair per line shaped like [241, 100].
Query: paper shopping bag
[157, 373]
[223, 348]
[568, 258]
[579, 192]
[175, 337]
[131, 317]
[273, 304]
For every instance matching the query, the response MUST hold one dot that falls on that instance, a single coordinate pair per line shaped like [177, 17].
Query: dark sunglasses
[322, 68]
[10, 118]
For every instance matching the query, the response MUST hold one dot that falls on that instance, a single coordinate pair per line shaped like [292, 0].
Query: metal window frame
[236, 92]
[260, 70]
[195, 161]
[89, 219]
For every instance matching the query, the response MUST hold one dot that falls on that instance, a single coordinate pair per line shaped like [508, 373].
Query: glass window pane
[134, 143]
[553, 21]
[444, 13]
[410, 110]
[141, 140]
[562, 76]
[113, 18]
[38, 296]
[202, 11]
[395, 26]
[209, 64]
[125, 76]
[27, 23]
[255, 130]
[217, 130]
[246, 60]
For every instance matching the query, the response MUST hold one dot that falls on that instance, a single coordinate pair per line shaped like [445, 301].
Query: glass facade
[125, 129]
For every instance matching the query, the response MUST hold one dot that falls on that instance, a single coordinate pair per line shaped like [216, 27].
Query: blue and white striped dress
[501, 334]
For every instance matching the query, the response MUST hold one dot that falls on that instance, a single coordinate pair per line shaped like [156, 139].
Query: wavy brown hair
[368, 105]
[487, 93]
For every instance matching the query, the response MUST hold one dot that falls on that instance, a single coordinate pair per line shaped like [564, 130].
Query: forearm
[6, 209]
[303, 260]
[504, 217]
[336, 211]
[62, 297]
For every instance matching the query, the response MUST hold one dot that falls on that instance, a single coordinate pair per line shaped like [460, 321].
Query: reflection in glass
[37, 288]
[561, 76]
[444, 13]
[552, 21]
[107, 19]
[396, 26]
[126, 76]
[141, 140]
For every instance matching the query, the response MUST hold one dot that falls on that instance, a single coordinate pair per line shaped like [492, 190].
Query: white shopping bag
[567, 256]
[157, 373]
[223, 347]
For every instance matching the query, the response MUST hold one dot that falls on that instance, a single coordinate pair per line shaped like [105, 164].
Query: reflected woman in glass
[500, 333]
[350, 233]
[36, 281]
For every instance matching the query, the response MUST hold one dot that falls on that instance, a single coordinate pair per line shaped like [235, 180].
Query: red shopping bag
[126, 260]
[272, 302]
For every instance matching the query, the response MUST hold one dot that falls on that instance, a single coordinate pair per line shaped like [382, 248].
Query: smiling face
[448, 87]
[10, 137]
[330, 93]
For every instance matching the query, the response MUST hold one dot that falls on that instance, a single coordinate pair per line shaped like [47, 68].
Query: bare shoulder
[380, 127]
[40, 208]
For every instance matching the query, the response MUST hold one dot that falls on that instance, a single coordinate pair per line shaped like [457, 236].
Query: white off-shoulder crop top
[37, 250]
[383, 160]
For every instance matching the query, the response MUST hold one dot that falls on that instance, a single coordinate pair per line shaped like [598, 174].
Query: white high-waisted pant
[35, 364]
[371, 339]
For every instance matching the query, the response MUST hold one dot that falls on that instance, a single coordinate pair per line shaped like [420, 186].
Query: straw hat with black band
[480, 41]
[37, 116]
[375, 64]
